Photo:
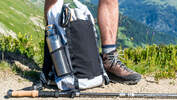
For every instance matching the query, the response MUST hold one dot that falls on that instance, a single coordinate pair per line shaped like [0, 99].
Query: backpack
[80, 37]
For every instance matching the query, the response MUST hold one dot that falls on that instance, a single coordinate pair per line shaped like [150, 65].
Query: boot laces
[114, 60]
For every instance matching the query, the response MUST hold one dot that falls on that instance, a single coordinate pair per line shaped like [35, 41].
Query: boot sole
[116, 79]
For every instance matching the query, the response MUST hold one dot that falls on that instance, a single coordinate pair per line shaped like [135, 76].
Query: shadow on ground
[31, 71]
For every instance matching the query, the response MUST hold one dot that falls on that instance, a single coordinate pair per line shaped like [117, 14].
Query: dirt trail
[146, 85]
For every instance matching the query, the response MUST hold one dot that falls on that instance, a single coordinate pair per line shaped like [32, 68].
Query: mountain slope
[172, 3]
[158, 14]
[133, 33]
[24, 17]
[20, 16]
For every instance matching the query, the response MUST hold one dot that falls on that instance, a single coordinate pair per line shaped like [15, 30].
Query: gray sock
[108, 48]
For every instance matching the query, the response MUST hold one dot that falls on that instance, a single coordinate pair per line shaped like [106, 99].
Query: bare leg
[108, 13]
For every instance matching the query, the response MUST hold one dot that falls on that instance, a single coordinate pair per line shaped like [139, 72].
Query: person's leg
[108, 21]
[108, 14]
[47, 59]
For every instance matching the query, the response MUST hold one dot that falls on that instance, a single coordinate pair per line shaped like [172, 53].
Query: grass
[157, 60]
[23, 48]
[16, 16]
[123, 39]
[23, 45]
[4, 65]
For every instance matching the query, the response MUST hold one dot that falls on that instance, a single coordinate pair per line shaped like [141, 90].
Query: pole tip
[9, 93]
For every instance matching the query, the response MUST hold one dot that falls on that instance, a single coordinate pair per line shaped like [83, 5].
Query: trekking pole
[73, 94]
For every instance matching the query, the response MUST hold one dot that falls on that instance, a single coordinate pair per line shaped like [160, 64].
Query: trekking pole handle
[73, 94]
[33, 93]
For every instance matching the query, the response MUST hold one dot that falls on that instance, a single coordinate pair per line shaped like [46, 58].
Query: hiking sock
[108, 48]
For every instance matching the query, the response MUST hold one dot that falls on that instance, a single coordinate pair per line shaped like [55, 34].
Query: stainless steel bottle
[57, 52]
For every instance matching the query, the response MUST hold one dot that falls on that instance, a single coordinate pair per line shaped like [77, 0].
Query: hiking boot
[117, 71]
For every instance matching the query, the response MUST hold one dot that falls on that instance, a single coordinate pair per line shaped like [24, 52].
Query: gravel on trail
[146, 85]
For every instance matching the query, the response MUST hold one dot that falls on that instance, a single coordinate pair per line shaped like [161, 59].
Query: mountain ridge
[131, 32]
[161, 15]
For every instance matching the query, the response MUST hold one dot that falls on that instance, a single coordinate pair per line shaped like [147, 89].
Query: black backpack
[83, 49]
